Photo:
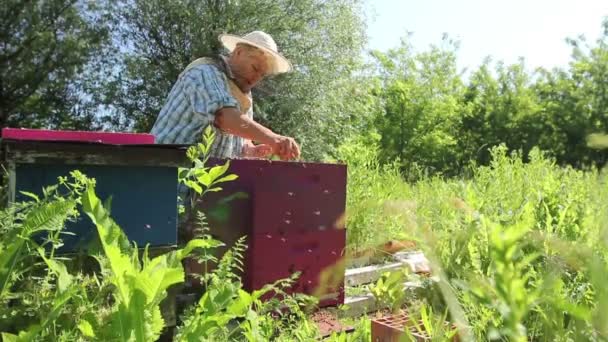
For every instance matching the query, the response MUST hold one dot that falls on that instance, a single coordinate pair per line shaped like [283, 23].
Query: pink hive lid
[77, 136]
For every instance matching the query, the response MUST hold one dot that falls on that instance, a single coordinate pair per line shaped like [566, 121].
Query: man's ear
[238, 50]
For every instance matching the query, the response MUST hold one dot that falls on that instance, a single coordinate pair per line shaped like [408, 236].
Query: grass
[519, 251]
[520, 248]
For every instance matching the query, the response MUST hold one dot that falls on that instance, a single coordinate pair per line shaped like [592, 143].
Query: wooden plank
[369, 274]
[366, 303]
[12, 181]
[94, 154]
[414, 261]
[115, 138]
[360, 305]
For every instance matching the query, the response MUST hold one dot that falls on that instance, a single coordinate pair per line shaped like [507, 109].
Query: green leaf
[6, 337]
[218, 170]
[59, 302]
[208, 138]
[107, 204]
[86, 328]
[182, 172]
[204, 179]
[159, 274]
[155, 324]
[113, 241]
[197, 243]
[8, 262]
[228, 178]
[220, 298]
[240, 306]
[194, 186]
[31, 195]
[137, 311]
[64, 278]
[48, 216]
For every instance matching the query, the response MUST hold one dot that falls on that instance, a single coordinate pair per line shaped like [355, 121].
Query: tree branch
[28, 42]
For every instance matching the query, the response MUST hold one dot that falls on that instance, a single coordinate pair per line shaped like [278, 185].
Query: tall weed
[519, 248]
[43, 297]
[526, 249]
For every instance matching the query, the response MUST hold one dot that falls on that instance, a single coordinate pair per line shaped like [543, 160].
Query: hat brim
[281, 64]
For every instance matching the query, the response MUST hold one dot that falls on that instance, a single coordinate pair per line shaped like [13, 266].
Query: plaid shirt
[200, 91]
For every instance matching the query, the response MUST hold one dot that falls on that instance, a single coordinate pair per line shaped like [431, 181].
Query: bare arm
[230, 120]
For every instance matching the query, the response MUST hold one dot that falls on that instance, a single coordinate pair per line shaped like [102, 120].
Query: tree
[422, 99]
[323, 39]
[504, 109]
[44, 48]
[575, 102]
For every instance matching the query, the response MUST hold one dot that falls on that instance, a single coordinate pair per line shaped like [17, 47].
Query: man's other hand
[257, 151]
[232, 121]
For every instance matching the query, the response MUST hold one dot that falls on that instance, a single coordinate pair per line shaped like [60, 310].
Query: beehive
[141, 178]
[291, 214]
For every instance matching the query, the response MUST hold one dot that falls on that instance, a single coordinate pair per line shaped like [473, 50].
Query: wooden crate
[140, 177]
[291, 214]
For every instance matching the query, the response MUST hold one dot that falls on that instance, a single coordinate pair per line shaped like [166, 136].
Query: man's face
[249, 66]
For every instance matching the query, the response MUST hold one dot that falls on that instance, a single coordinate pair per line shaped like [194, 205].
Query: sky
[505, 30]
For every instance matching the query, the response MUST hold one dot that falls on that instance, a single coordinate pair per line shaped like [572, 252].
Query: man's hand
[286, 148]
[232, 121]
[257, 151]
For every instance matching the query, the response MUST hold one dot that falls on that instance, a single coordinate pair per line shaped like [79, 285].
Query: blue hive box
[140, 178]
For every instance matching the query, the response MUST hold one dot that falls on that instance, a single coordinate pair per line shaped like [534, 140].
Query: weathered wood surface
[365, 303]
[94, 154]
[368, 274]
[415, 262]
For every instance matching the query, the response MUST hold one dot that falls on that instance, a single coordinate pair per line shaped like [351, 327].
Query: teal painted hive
[141, 178]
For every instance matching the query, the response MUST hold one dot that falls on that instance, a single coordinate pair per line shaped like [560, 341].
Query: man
[218, 93]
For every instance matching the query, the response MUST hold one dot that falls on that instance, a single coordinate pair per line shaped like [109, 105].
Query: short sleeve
[208, 90]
